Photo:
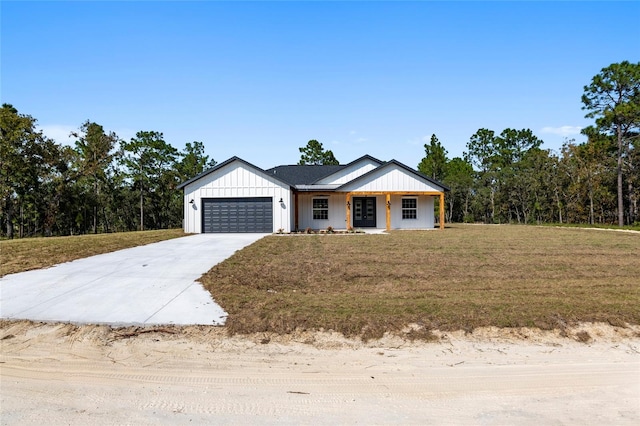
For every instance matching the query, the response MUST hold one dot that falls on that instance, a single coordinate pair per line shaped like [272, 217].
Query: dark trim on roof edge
[403, 166]
[225, 163]
[366, 156]
[381, 165]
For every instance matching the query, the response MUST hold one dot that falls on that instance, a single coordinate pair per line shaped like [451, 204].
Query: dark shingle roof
[302, 175]
[308, 175]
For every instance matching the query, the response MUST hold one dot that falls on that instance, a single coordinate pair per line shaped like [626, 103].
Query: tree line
[105, 184]
[102, 184]
[508, 178]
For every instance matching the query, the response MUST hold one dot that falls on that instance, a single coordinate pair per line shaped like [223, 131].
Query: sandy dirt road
[90, 375]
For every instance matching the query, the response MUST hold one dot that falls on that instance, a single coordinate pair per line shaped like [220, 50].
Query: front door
[364, 212]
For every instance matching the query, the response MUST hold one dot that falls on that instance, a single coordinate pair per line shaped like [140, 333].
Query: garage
[249, 214]
[236, 196]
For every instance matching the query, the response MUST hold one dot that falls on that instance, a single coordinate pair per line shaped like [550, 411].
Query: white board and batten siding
[349, 173]
[337, 211]
[425, 214]
[237, 180]
[389, 180]
[395, 179]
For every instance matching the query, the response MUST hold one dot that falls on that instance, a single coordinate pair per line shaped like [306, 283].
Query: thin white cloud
[353, 132]
[59, 133]
[562, 130]
[419, 140]
[361, 140]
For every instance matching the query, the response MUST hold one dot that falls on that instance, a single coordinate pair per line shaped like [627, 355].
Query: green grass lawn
[464, 277]
[24, 254]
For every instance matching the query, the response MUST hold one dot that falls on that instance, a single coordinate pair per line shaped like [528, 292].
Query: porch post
[348, 210]
[388, 212]
[442, 210]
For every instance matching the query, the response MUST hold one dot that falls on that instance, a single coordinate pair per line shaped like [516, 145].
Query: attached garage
[236, 196]
[249, 214]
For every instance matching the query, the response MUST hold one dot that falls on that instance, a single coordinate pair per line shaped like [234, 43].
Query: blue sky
[260, 79]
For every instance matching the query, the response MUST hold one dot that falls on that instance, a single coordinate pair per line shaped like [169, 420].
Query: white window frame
[321, 210]
[409, 209]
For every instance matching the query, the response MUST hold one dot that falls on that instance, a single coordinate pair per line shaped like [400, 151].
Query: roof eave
[401, 165]
[364, 157]
[225, 163]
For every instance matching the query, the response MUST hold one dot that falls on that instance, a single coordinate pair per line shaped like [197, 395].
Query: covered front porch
[366, 210]
[401, 208]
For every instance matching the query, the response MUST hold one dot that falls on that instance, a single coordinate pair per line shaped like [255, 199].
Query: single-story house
[236, 196]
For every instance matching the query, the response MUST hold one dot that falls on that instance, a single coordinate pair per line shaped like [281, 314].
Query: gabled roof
[309, 175]
[304, 176]
[227, 162]
[346, 166]
[364, 157]
[402, 166]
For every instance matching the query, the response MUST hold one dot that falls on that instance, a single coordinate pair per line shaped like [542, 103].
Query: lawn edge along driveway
[145, 285]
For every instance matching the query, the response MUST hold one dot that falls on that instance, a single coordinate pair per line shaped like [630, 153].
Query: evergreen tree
[314, 154]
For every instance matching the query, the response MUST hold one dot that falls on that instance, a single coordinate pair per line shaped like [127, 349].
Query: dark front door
[364, 212]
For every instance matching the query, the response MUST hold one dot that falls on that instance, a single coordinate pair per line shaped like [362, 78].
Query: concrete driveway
[152, 284]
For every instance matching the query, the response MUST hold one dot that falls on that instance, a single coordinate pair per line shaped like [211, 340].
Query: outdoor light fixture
[388, 203]
[191, 202]
[348, 204]
[281, 200]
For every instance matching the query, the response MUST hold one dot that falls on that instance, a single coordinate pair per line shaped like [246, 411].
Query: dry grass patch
[462, 278]
[34, 253]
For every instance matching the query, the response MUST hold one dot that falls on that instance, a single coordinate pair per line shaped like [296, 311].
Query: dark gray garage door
[253, 214]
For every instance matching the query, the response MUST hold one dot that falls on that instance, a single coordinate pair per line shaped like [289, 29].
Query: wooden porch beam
[408, 193]
[442, 210]
[388, 205]
[348, 210]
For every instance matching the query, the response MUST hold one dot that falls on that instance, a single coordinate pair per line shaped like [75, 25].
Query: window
[409, 208]
[321, 208]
